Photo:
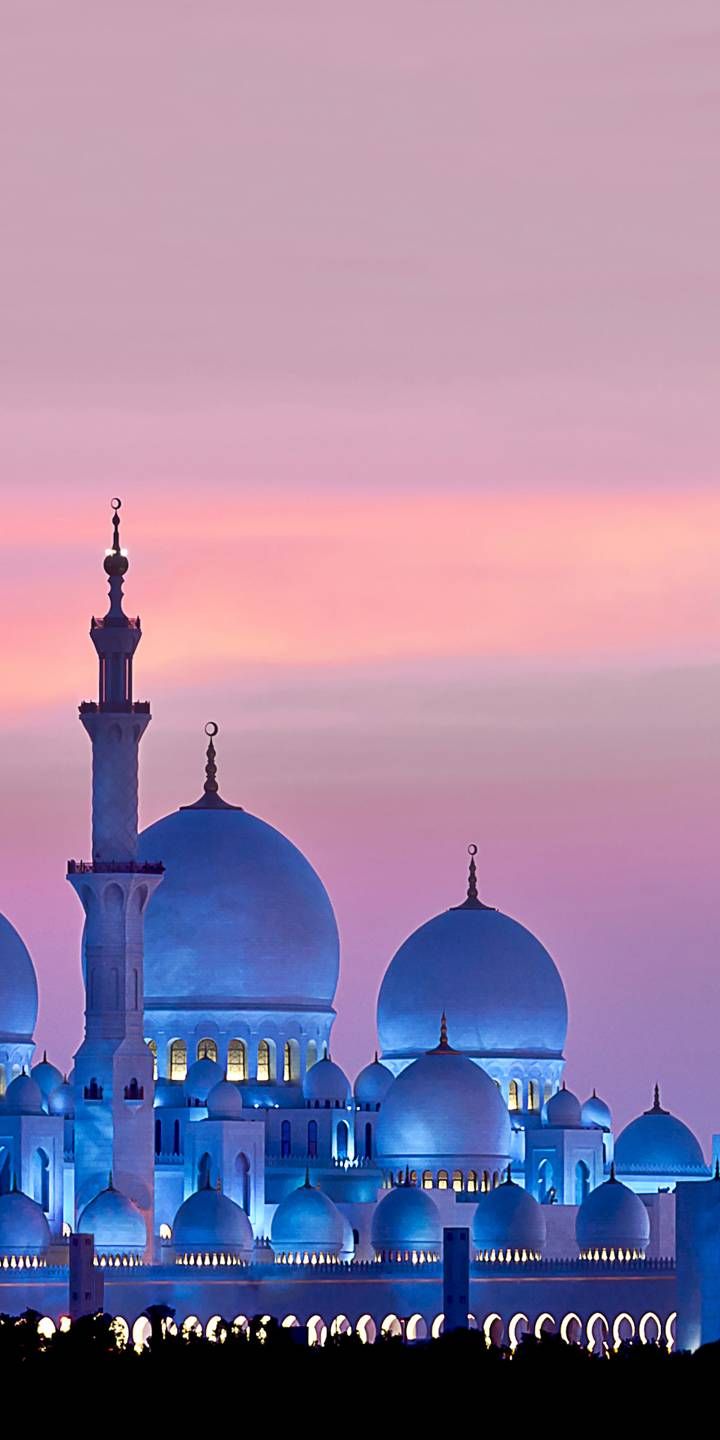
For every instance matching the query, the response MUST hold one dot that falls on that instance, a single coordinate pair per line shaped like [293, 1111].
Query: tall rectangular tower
[114, 1087]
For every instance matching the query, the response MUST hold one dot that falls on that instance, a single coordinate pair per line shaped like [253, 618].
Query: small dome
[440, 1108]
[61, 1100]
[406, 1219]
[657, 1143]
[117, 1224]
[24, 1229]
[201, 1077]
[563, 1109]
[224, 1102]
[212, 1223]
[47, 1076]
[596, 1112]
[18, 986]
[508, 1218]
[325, 1081]
[307, 1222]
[612, 1217]
[373, 1083]
[169, 1094]
[24, 1096]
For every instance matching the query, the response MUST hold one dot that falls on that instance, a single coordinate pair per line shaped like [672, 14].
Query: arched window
[485, 1180]
[514, 1096]
[442, 1180]
[547, 1093]
[41, 1180]
[207, 1050]
[133, 1090]
[178, 1060]
[312, 1140]
[582, 1182]
[158, 1137]
[342, 1137]
[545, 1182]
[291, 1062]
[310, 1054]
[242, 1171]
[152, 1047]
[368, 1150]
[427, 1180]
[237, 1060]
[285, 1139]
[413, 1177]
[533, 1095]
[204, 1172]
[457, 1180]
[264, 1062]
[472, 1181]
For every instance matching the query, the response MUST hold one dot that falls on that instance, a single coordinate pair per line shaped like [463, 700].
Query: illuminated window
[533, 1095]
[291, 1061]
[264, 1061]
[427, 1180]
[207, 1050]
[152, 1047]
[486, 1180]
[178, 1060]
[457, 1180]
[413, 1177]
[165, 1232]
[514, 1096]
[310, 1054]
[237, 1060]
[472, 1181]
[442, 1180]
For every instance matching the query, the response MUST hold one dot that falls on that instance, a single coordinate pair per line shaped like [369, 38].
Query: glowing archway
[366, 1329]
[519, 1323]
[545, 1324]
[493, 1329]
[416, 1328]
[650, 1318]
[597, 1342]
[623, 1320]
[670, 1331]
[571, 1328]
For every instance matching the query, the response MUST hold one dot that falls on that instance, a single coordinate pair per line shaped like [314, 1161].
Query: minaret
[114, 1088]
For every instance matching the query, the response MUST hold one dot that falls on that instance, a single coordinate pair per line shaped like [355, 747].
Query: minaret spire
[114, 1087]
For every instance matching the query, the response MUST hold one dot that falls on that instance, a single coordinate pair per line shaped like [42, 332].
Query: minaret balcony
[129, 707]
[115, 867]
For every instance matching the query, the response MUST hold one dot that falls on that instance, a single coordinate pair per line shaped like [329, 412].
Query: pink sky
[396, 327]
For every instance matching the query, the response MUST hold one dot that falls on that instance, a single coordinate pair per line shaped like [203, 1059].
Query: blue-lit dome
[209, 1222]
[406, 1219]
[241, 917]
[47, 1076]
[24, 1229]
[325, 1083]
[18, 986]
[596, 1112]
[224, 1102]
[508, 1218]
[117, 1224]
[307, 1222]
[442, 1108]
[612, 1217]
[498, 984]
[373, 1083]
[563, 1109]
[61, 1100]
[658, 1144]
[24, 1096]
[202, 1077]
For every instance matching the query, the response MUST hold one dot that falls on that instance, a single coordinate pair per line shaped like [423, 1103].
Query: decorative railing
[115, 867]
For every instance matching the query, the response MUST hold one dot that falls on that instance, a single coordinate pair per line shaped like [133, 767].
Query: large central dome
[241, 918]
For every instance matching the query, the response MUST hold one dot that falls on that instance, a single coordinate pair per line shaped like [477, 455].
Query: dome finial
[443, 1029]
[656, 1097]
[508, 1174]
[116, 561]
[471, 901]
[307, 1185]
[716, 1176]
[110, 1185]
[444, 1047]
[612, 1172]
[211, 798]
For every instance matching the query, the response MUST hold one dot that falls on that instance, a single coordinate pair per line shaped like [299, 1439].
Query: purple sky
[396, 327]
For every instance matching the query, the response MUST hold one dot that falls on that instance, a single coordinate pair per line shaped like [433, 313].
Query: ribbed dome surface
[612, 1216]
[117, 1224]
[326, 1081]
[18, 986]
[307, 1221]
[240, 917]
[210, 1221]
[24, 1097]
[24, 1229]
[500, 987]
[373, 1083]
[509, 1218]
[407, 1218]
[443, 1106]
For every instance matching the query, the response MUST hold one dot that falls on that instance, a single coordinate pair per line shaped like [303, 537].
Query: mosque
[207, 1152]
